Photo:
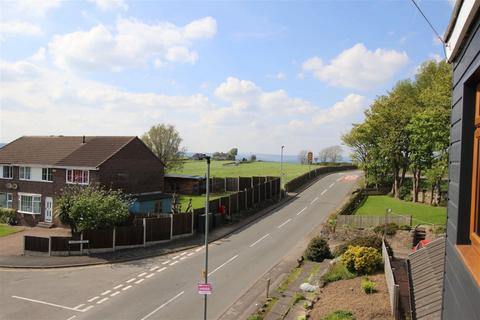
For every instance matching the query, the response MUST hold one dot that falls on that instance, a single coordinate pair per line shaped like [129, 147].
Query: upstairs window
[78, 176]
[25, 173]
[47, 174]
[7, 172]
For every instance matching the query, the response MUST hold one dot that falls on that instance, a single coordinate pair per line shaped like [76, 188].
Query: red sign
[205, 288]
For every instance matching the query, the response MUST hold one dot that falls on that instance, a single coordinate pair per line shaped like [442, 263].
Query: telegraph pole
[205, 272]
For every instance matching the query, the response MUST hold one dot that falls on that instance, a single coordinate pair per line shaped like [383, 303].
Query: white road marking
[117, 287]
[183, 253]
[301, 211]
[102, 301]
[163, 305]
[160, 270]
[139, 281]
[80, 305]
[284, 223]
[150, 275]
[106, 292]
[259, 240]
[72, 317]
[174, 263]
[183, 258]
[176, 257]
[133, 279]
[331, 185]
[198, 249]
[154, 268]
[191, 254]
[313, 201]
[114, 294]
[93, 299]
[86, 309]
[323, 192]
[46, 303]
[165, 262]
[126, 288]
[223, 265]
[142, 274]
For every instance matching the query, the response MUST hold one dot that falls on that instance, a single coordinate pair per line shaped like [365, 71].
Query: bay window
[29, 203]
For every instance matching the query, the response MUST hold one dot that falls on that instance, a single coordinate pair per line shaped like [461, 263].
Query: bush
[318, 250]
[297, 297]
[368, 286]
[363, 260]
[391, 229]
[7, 215]
[405, 227]
[339, 315]
[372, 241]
[338, 272]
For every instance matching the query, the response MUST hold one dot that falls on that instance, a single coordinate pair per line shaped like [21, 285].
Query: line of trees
[329, 154]
[407, 130]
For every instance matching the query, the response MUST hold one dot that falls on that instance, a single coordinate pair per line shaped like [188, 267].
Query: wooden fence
[149, 231]
[358, 221]
[393, 288]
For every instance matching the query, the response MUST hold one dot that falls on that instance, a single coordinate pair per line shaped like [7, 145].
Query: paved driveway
[12, 245]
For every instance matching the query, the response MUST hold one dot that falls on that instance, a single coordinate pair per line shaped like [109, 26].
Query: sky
[254, 75]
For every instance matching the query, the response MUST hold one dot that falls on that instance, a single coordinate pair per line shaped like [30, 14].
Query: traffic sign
[205, 288]
[310, 157]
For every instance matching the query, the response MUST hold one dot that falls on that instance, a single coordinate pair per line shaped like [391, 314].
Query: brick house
[36, 169]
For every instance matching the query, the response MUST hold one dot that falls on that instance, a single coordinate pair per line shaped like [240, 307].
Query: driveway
[12, 245]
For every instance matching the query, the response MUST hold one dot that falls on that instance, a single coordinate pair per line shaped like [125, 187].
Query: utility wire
[432, 27]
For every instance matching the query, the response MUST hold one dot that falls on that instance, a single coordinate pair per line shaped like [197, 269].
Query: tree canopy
[164, 140]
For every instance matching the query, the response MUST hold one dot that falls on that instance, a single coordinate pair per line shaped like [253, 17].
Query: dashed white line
[93, 299]
[223, 265]
[174, 263]
[331, 185]
[142, 274]
[198, 249]
[183, 258]
[259, 240]
[284, 223]
[86, 309]
[114, 294]
[165, 262]
[126, 288]
[176, 257]
[106, 292]
[160, 270]
[301, 211]
[102, 301]
[163, 305]
[133, 279]
[323, 192]
[154, 268]
[139, 281]
[313, 201]
[72, 317]
[117, 287]
[190, 254]
[80, 305]
[150, 275]
[183, 253]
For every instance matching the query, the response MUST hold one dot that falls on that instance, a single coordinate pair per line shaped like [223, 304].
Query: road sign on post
[204, 288]
[310, 157]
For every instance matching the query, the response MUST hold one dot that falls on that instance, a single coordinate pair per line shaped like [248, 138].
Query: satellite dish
[8, 185]
[14, 186]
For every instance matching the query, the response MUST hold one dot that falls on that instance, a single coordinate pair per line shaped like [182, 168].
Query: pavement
[165, 287]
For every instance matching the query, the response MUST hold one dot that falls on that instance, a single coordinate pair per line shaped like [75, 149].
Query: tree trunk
[396, 183]
[431, 195]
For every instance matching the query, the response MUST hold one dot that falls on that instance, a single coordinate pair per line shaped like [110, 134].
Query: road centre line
[259, 240]
[284, 223]
[93, 299]
[139, 281]
[160, 270]
[301, 211]
[198, 249]
[150, 275]
[331, 185]
[47, 303]
[80, 305]
[86, 309]
[117, 287]
[223, 265]
[154, 268]
[313, 201]
[106, 292]
[183, 253]
[165, 262]
[191, 254]
[142, 274]
[72, 317]
[174, 263]
[114, 294]
[183, 258]
[126, 288]
[102, 301]
[323, 192]
[133, 279]
[176, 257]
[163, 305]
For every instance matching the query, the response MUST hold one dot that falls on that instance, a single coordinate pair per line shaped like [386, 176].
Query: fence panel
[36, 244]
[393, 288]
[225, 201]
[242, 200]
[60, 243]
[158, 228]
[245, 182]
[256, 194]
[234, 205]
[268, 186]
[372, 221]
[262, 192]
[128, 236]
[98, 239]
[231, 184]
[182, 223]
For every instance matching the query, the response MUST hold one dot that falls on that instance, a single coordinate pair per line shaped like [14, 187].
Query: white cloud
[132, 43]
[108, 5]
[19, 28]
[358, 67]
[351, 105]
[436, 57]
[37, 8]
[278, 76]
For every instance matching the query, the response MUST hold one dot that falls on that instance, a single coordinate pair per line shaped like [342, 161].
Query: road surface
[166, 287]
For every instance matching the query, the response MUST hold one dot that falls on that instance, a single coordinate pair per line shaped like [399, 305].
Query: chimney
[83, 139]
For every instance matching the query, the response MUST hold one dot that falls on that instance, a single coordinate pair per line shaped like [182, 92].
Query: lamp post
[205, 271]
[281, 166]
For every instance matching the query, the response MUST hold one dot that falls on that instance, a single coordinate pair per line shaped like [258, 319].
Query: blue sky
[252, 75]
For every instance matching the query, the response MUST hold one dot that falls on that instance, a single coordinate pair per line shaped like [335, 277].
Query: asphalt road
[166, 287]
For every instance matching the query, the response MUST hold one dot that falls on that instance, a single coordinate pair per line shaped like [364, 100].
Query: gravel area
[348, 295]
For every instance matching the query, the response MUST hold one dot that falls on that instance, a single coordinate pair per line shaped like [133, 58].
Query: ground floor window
[29, 203]
[6, 200]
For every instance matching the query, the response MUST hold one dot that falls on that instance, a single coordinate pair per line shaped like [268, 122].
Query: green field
[5, 230]
[258, 168]
[198, 201]
[421, 213]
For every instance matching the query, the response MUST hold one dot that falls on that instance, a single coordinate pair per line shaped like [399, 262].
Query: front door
[48, 209]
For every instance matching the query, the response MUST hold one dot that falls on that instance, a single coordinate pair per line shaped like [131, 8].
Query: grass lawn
[421, 213]
[5, 230]
[258, 168]
[198, 201]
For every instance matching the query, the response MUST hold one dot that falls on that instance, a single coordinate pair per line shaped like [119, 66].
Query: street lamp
[205, 272]
[281, 166]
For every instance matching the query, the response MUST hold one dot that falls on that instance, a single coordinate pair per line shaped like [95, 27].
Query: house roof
[426, 272]
[62, 151]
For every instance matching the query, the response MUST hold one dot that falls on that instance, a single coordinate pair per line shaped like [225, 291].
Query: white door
[48, 209]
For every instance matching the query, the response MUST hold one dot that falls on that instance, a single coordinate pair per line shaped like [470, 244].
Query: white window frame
[33, 195]
[51, 173]
[9, 200]
[24, 171]
[74, 182]
[11, 172]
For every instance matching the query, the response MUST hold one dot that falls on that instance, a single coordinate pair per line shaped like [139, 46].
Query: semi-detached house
[34, 170]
